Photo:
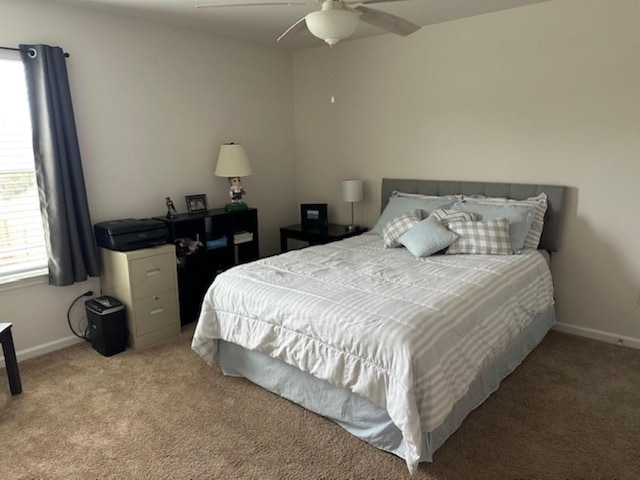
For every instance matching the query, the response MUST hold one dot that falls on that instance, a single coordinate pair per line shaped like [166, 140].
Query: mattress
[408, 335]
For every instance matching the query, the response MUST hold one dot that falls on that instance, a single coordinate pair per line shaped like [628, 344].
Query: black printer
[131, 233]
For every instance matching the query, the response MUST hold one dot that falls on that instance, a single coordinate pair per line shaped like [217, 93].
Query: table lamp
[352, 192]
[234, 164]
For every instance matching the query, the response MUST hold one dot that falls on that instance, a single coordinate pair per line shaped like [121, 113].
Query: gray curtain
[63, 198]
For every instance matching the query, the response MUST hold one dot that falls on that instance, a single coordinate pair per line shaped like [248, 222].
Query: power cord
[84, 336]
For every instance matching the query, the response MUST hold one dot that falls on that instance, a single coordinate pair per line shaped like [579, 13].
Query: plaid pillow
[481, 238]
[394, 229]
[520, 218]
[444, 216]
[539, 204]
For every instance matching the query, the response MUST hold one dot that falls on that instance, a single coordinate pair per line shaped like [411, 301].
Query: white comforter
[408, 334]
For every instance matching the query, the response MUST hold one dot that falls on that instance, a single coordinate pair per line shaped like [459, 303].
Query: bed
[397, 349]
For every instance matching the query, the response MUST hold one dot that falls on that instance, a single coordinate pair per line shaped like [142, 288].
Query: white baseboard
[45, 348]
[560, 326]
[598, 335]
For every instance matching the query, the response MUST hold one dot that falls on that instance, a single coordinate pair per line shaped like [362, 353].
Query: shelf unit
[206, 244]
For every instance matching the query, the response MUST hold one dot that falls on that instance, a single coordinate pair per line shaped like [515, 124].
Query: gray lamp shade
[233, 161]
[352, 190]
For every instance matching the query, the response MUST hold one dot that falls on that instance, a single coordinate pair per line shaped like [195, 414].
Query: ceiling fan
[337, 19]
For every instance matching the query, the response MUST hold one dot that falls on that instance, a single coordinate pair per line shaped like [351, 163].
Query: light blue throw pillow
[427, 238]
[520, 218]
[399, 204]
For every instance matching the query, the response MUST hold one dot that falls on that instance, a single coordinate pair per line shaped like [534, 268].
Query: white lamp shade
[233, 161]
[332, 25]
[352, 190]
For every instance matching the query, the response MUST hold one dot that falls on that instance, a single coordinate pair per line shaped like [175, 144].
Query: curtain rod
[17, 50]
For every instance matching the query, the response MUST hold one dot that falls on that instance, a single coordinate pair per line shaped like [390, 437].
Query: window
[22, 246]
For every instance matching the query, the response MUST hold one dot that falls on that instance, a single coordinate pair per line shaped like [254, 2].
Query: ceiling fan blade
[296, 27]
[386, 21]
[377, 1]
[264, 4]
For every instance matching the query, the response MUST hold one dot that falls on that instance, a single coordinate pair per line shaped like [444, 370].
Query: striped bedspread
[408, 334]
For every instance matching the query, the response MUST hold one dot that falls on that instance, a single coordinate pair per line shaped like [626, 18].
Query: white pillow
[520, 218]
[539, 204]
[399, 204]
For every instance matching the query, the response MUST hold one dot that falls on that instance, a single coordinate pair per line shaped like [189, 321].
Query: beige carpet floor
[571, 411]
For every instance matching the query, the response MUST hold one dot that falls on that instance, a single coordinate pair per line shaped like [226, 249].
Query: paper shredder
[107, 325]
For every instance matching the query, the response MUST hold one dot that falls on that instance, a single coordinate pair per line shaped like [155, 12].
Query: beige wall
[548, 93]
[152, 106]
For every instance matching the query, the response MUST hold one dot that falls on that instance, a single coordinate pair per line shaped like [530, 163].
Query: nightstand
[317, 236]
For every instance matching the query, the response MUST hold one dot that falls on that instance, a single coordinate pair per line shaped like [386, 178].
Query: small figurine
[171, 209]
[236, 191]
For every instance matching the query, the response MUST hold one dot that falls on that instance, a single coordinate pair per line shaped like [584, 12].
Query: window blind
[22, 244]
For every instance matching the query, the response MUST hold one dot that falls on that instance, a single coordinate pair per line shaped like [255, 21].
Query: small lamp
[233, 164]
[352, 192]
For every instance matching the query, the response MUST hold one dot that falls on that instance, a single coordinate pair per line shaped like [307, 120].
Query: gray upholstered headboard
[517, 191]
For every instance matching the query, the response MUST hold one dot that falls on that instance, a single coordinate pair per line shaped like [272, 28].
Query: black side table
[317, 236]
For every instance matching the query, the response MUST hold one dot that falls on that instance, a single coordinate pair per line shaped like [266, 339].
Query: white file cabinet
[145, 281]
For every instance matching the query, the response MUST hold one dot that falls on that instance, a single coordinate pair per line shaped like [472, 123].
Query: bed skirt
[358, 415]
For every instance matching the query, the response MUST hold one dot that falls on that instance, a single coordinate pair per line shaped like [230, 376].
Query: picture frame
[196, 203]
[313, 215]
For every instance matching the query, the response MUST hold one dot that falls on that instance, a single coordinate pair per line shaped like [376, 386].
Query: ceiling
[264, 24]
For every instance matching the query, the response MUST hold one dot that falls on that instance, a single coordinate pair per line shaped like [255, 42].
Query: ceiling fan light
[332, 25]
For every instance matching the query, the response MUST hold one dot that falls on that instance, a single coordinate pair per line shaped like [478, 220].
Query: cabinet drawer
[155, 312]
[152, 274]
